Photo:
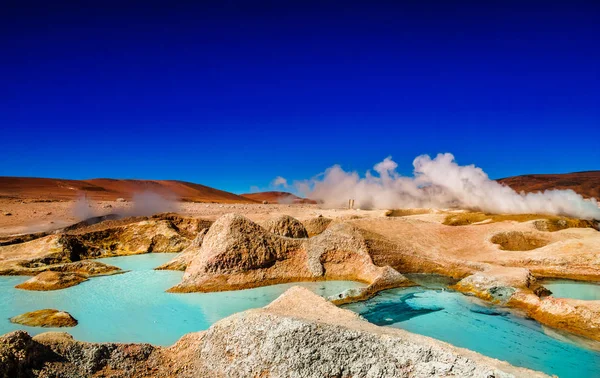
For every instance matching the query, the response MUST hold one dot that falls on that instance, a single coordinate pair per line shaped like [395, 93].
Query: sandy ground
[28, 216]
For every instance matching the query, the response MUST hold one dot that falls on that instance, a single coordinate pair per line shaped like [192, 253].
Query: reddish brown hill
[585, 183]
[110, 189]
[277, 197]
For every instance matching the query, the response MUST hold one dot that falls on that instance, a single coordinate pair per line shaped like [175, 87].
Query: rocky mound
[315, 226]
[45, 318]
[237, 253]
[298, 335]
[287, 226]
[50, 280]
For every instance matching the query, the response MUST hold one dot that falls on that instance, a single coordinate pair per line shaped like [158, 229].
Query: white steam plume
[439, 183]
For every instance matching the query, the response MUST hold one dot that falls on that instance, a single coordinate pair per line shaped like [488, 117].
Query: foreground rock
[298, 335]
[45, 318]
[237, 253]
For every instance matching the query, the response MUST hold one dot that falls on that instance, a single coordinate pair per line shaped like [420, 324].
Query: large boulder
[287, 226]
[237, 253]
[45, 318]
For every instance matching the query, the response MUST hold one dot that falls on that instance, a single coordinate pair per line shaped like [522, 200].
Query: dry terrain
[585, 183]
[277, 197]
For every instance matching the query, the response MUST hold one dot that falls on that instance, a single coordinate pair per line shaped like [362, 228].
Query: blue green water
[467, 323]
[573, 289]
[133, 307]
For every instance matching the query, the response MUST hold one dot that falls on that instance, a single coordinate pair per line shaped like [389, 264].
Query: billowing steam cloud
[143, 204]
[439, 183]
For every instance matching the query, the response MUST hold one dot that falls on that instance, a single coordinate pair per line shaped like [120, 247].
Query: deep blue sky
[231, 94]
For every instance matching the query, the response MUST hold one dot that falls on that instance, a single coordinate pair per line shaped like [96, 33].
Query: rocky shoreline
[298, 335]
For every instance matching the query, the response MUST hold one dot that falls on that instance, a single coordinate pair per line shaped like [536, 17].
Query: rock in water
[45, 318]
[50, 280]
[298, 335]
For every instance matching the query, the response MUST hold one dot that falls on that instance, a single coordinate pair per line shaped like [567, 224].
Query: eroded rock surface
[315, 226]
[298, 335]
[45, 318]
[287, 226]
[237, 253]
[161, 233]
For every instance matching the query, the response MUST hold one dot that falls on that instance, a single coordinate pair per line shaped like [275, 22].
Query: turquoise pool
[466, 322]
[588, 291]
[133, 307]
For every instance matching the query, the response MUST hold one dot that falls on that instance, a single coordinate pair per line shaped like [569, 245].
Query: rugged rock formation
[517, 287]
[237, 253]
[287, 226]
[162, 233]
[61, 276]
[45, 318]
[576, 316]
[298, 335]
[315, 226]
[52, 281]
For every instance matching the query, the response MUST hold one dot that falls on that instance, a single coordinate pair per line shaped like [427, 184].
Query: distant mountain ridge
[277, 197]
[111, 189]
[585, 183]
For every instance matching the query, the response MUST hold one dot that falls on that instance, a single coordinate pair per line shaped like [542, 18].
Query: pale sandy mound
[287, 226]
[316, 226]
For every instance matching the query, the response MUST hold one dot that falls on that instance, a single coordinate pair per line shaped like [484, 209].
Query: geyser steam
[439, 183]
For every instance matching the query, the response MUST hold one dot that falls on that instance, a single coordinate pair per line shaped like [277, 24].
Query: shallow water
[133, 307]
[588, 291]
[467, 323]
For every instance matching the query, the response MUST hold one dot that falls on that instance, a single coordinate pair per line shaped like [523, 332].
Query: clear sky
[232, 94]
